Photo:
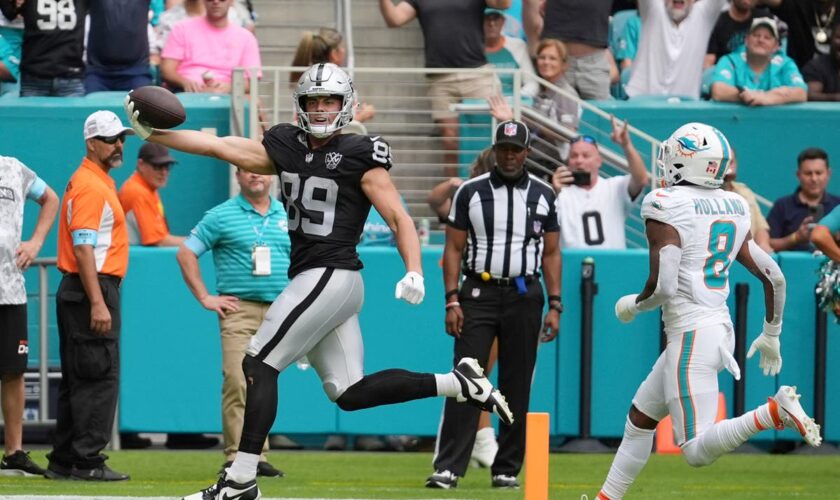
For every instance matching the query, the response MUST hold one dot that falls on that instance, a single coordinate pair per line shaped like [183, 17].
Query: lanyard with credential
[259, 232]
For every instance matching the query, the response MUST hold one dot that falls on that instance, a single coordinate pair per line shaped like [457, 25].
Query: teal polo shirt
[733, 69]
[230, 230]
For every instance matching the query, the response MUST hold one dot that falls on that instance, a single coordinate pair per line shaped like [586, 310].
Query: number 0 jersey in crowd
[712, 224]
[322, 191]
[595, 217]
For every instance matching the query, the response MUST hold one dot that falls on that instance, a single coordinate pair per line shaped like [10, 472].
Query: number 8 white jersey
[712, 224]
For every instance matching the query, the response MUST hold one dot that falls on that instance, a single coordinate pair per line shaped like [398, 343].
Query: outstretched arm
[639, 177]
[247, 154]
[822, 238]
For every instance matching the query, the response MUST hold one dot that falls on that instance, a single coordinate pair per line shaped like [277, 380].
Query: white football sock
[244, 467]
[726, 435]
[630, 459]
[447, 384]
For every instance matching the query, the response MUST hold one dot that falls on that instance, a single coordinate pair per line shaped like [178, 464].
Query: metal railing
[403, 117]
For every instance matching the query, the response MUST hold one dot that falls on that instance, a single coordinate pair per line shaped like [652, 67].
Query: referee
[502, 230]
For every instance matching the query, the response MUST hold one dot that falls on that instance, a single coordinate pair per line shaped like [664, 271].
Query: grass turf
[401, 476]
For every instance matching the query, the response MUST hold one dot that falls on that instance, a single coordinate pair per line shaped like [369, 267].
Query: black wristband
[555, 297]
[450, 293]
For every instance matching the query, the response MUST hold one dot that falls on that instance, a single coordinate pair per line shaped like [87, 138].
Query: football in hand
[158, 107]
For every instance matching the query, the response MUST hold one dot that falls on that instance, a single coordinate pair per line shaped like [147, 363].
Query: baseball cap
[488, 12]
[154, 153]
[513, 132]
[104, 124]
[767, 22]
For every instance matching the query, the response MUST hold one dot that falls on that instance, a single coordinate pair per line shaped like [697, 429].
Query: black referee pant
[492, 311]
[90, 367]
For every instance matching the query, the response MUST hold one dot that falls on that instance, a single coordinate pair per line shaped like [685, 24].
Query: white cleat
[478, 391]
[791, 415]
[227, 489]
[485, 448]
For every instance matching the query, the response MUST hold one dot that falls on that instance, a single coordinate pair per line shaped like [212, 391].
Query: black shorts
[14, 345]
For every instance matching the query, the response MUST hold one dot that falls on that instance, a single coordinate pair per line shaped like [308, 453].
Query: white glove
[411, 288]
[626, 309]
[768, 345]
[142, 130]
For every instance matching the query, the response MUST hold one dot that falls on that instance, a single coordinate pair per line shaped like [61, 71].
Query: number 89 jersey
[321, 189]
[712, 224]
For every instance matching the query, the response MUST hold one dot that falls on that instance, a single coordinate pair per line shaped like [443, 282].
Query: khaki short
[452, 88]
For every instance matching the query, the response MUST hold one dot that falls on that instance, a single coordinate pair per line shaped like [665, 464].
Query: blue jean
[100, 81]
[31, 86]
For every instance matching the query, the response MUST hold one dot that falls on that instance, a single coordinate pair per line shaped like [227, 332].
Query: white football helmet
[323, 79]
[696, 153]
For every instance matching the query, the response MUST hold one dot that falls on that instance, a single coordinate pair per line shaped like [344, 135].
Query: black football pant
[87, 395]
[492, 311]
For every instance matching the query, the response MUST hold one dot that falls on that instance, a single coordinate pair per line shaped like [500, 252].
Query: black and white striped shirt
[505, 223]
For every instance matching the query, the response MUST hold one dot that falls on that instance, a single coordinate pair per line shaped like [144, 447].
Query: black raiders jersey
[321, 189]
[53, 39]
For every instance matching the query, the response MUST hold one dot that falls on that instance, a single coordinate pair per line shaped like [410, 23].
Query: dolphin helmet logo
[689, 145]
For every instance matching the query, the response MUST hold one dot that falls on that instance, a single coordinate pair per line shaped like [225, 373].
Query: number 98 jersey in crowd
[322, 192]
[712, 224]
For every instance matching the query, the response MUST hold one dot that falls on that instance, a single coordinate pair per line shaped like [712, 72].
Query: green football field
[359, 475]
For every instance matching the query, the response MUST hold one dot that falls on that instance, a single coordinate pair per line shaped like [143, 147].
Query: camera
[581, 178]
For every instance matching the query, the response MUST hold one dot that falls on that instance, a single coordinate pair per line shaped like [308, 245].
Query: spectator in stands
[11, 38]
[809, 25]
[454, 38]
[672, 47]
[759, 76]
[822, 73]
[759, 228]
[192, 59]
[180, 10]
[627, 41]
[53, 45]
[141, 201]
[17, 184]
[93, 257]
[507, 52]
[731, 29]
[792, 217]
[327, 45]
[248, 237]
[118, 46]
[547, 147]
[583, 27]
[592, 214]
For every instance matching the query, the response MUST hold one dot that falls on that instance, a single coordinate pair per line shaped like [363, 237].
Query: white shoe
[478, 391]
[227, 489]
[789, 413]
[485, 447]
[442, 479]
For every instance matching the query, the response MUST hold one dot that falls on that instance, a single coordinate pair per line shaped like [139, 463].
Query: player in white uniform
[695, 232]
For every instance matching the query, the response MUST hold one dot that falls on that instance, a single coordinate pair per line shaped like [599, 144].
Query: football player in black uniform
[329, 182]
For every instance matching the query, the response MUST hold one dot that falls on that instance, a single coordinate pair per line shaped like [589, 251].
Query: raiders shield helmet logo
[333, 159]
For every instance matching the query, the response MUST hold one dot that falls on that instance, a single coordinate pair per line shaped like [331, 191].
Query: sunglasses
[112, 140]
[585, 138]
[161, 166]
